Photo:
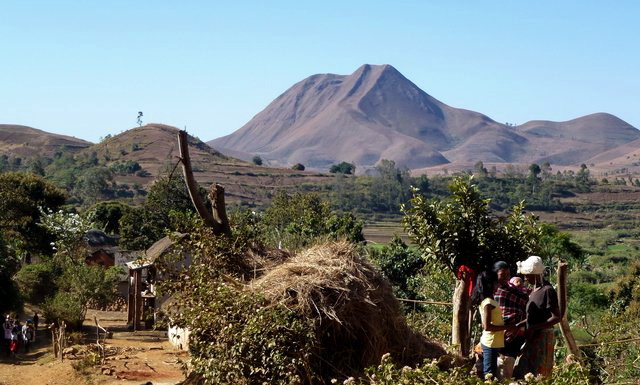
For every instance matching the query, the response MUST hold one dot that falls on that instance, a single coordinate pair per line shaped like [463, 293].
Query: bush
[65, 307]
[343, 168]
[257, 160]
[251, 341]
[431, 373]
[298, 167]
[36, 282]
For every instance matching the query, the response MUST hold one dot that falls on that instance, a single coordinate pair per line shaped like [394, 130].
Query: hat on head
[531, 265]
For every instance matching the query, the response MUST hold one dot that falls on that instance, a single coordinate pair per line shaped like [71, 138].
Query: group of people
[16, 336]
[517, 321]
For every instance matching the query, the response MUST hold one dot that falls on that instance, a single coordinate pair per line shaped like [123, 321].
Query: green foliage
[626, 291]
[462, 231]
[106, 215]
[253, 342]
[9, 264]
[257, 160]
[77, 283]
[556, 244]
[430, 373]
[298, 167]
[65, 306]
[20, 197]
[295, 221]
[37, 281]
[343, 168]
[400, 264]
[141, 226]
[125, 168]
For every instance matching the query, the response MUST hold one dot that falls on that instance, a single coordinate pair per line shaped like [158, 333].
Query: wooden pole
[216, 195]
[220, 222]
[54, 340]
[460, 322]
[61, 338]
[562, 301]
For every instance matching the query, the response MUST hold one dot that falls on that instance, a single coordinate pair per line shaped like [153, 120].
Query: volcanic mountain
[376, 113]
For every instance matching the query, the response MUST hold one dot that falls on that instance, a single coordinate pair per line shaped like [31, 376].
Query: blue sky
[86, 68]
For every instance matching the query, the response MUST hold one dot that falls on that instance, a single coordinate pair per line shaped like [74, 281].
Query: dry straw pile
[357, 319]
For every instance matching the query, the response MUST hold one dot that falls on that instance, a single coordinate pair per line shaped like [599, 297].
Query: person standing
[15, 339]
[513, 305]
[542, 313]
[7, 325]
[35, 322]
[493, 327]
[27, 335]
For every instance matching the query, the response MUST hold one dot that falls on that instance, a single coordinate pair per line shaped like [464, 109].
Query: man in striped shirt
[513, 304]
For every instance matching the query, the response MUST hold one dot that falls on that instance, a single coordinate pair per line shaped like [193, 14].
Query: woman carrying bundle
[542, 313]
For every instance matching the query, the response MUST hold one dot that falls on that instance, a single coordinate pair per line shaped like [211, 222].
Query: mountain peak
[376, 113]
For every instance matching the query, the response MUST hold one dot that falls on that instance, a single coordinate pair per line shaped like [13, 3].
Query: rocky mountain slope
[376, 113]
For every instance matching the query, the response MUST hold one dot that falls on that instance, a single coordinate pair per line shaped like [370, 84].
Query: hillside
[376, 113]
[155, 148]
[23, 141]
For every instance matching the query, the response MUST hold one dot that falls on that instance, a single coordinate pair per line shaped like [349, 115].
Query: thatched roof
[356, 317]
[156, 250]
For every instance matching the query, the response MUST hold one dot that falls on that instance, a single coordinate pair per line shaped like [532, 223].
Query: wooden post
[130, 297]
[61, 340]
[137, 277]
[54, 340]
[219, 223]
[460, 323]
[216, 195]
[562, 302]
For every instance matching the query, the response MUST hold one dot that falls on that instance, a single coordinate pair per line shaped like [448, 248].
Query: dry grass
[357, 319]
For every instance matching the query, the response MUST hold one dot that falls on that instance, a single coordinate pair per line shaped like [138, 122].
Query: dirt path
[130, 362]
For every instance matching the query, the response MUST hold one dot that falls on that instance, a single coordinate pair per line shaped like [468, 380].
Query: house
[143, 300]
[104, 250]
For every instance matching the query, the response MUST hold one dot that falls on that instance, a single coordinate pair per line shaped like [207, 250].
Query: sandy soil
[130, 362]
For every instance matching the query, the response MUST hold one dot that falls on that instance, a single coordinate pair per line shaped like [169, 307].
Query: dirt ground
[131, 359]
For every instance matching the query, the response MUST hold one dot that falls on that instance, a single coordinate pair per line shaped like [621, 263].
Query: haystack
[356, 317]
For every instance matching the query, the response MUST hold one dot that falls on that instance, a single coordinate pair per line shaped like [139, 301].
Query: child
[518, 284]
[15, 333]
[492, 339]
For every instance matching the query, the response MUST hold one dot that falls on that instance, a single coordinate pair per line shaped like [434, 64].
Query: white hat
[531, 265]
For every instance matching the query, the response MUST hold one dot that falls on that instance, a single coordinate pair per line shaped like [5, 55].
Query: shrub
[36, 281]
[65, 307]
[298, 167]
[251, 341]
[343, 168]
[257, 160]
[431, 373]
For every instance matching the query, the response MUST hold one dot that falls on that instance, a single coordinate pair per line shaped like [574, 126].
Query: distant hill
[376, 113]
[23, 141]
[155, 147]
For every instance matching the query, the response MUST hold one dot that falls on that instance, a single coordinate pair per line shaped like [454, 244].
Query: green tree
[78, 282]
[141, 226]
[298, 220]
[106, 215]
[21, 195]
[298, 167]
[479, 169]
[343, 168]
[400, 264]
[9, 264]
[461, 234]
[257, 160]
